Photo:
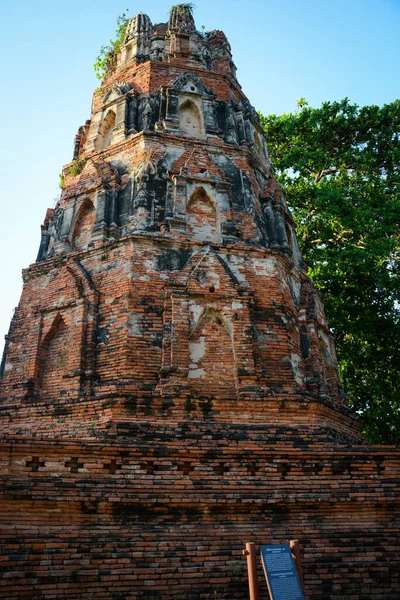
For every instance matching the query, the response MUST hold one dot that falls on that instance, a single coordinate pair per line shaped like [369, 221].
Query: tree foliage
[340, 167]
[108, 53]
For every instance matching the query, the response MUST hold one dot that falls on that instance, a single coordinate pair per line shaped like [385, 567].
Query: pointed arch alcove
[328, 370]
[202, 217]
[63, 337]
[188, 107]
[207, 344]
[83, 226]
[211, 355]
[53, 359]
[190, 119]
[104, 136]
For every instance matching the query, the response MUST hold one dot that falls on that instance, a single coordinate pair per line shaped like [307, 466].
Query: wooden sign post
[281, 573]
[250, 554]
[295, 548]
[282, 568]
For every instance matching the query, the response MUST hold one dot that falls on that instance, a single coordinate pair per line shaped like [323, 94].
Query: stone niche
[197, 203]
[57, 339]
[84, 223]
[187, 107]
[212, 356]
[106, 128]
[110, 124]
[74, 225]
[190, 117]
[202, 217]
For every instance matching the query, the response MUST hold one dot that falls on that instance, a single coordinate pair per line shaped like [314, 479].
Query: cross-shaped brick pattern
[252, 469]
[283, 468]
[186, 467]
[112, 466]
[74, 465]
[221, 468]
[34, 464]
[147, 466]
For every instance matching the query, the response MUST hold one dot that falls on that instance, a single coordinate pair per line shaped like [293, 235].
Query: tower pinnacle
[181, 19]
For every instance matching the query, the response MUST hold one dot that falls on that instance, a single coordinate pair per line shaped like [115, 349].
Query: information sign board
[280, 572]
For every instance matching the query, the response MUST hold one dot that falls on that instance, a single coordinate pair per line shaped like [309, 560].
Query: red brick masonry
[169, 384]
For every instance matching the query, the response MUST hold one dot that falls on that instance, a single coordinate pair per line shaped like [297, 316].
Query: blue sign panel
[280, 571]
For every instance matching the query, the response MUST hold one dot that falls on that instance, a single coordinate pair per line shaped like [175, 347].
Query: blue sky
[283, 50]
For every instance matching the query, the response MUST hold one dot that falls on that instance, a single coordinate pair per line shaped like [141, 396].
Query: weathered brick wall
[169, 385]
[166, 511]
[140, 328]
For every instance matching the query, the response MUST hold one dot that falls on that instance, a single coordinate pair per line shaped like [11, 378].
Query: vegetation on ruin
[340, 167]
[109, 52]
[76, 167]
[182, 8]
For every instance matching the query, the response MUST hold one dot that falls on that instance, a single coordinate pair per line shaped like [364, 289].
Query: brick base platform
[163, 509]
[169, 387]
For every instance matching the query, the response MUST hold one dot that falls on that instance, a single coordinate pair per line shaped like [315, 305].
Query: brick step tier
[164, 509]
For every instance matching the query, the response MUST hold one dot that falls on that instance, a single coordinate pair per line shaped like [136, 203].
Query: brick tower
[169, 382]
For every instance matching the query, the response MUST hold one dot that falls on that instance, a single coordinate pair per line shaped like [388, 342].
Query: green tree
[340, 167]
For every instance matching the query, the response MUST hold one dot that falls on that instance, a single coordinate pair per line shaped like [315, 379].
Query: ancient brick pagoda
[169, 383]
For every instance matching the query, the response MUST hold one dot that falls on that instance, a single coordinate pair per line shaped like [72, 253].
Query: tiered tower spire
[171, 220]
[169, 383]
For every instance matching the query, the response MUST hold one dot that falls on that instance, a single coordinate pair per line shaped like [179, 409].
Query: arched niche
[53, 359]
[212, 370]
[83, 226]
[190, 119]
[329, 375]
[258, 146]
[128, 52]
[106, 130]
[289, 235]
[328, 359]
[202, 217]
